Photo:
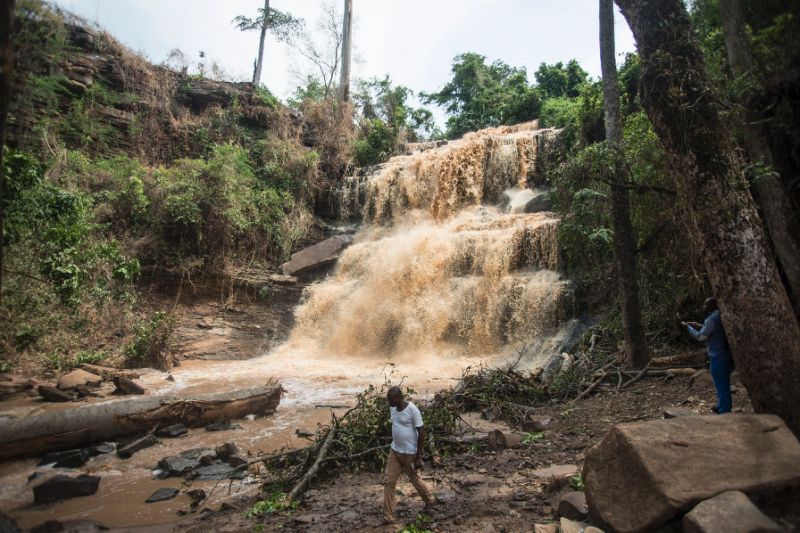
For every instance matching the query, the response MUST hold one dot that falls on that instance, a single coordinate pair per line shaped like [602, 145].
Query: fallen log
[67, 428]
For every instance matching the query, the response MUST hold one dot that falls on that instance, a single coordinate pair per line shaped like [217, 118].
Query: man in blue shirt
[713, 334]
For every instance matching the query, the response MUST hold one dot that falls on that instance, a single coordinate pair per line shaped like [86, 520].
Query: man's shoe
[715, 409]
[388, 521]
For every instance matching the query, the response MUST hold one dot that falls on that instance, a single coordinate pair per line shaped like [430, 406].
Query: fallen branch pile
[360, 438]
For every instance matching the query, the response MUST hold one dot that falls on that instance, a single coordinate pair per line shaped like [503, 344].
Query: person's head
[395, 396]
[710, 305]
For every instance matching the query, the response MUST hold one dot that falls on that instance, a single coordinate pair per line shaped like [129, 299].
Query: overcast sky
[414, 41]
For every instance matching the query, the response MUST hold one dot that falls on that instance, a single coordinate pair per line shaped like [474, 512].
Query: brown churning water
[438, 265]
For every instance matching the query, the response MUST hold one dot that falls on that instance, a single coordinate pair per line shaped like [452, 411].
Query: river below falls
[310, 380]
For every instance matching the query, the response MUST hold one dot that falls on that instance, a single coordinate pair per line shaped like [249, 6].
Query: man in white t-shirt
[405, 454]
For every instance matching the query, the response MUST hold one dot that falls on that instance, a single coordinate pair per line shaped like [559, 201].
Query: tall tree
[721, 215]
[6, 65]
[636, 351]
[282, 25]
[347, 42]
[776, 207]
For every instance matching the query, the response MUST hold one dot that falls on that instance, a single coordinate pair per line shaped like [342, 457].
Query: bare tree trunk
[6, 65]
[636, 351]
[721, 215]
[262, 39]
[347, 34]
[776, 207]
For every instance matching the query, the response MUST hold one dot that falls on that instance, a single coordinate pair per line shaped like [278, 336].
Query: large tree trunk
[636, 351]
[776, 207]
[6, 65]
[721, 215]
[54, 430]
[262, 39]
[347, 26]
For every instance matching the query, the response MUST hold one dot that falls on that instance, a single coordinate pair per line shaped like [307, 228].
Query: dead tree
[636, 351]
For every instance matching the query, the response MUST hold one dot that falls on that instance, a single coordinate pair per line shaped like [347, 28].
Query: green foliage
[531, 438]
[577, 483]
[558, 81]
[481, 95]
[5, 366]
[422, 524]
[276, 503]
[59, 361]
[387, 120]
[152, 341]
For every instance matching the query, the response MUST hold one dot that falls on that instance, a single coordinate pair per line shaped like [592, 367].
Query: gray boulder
[643, 474]
[539, 203]
[729, 512]
[317, 256]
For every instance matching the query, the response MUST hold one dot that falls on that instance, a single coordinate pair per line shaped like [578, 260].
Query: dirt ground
[483, 490]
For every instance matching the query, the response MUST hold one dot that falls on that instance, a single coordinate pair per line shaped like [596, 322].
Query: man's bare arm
[420, 442]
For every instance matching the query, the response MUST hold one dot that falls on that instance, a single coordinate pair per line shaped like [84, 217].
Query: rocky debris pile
[78, 383]
[645, 474]
[224, 462]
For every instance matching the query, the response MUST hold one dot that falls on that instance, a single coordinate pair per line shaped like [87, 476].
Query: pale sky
[414, 41]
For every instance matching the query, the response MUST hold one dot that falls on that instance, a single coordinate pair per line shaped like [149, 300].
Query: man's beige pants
[397, 463]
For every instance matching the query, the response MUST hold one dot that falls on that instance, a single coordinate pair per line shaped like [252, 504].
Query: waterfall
[446, 260]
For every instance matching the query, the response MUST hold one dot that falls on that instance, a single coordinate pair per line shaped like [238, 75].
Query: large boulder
[728, 512]
[78, 378]
[317, 256]
[539, 203]
[645, 473]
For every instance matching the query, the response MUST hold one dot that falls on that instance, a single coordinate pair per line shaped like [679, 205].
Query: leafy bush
[276, 503]
[152, 342]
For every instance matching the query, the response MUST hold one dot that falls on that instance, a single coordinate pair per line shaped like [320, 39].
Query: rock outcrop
[315, 257]
[643, 474]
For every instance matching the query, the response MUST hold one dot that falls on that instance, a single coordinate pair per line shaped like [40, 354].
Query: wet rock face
[64, 487]
[643, 474]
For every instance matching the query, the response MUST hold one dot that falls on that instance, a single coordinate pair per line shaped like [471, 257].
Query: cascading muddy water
[446, 261]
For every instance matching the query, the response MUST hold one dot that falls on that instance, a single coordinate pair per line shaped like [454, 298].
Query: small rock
[226, 449]
[64, 487]
[726, 512]
[139, 444]
[106, 447]
[282, 279]
[471, 480]
[222, 425]
[535, 423]
[545, 528]
[197, 496]
[53, 394]
[701, 380]
[127, 386]
[170, 378]
[175, 465]
[573, 506]
[219, 471]
[557, 471]
[498, 440]
[170, 432]
[68, 458]
[519, 496]
[570, 526]
[237, 460]
[162, 494]
[675, 412]
[78, 378]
